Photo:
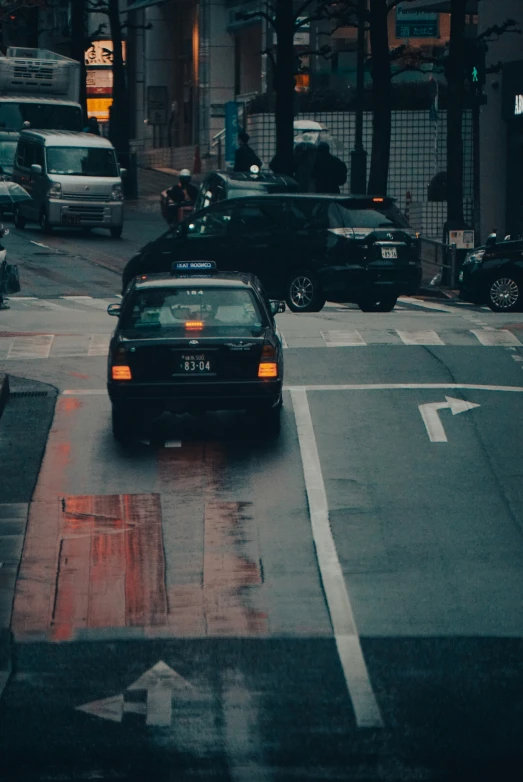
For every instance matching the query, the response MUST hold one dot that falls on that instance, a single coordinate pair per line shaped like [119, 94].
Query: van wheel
[19, 221]
[303, 292]
[116, 232]
[44, 223]
[385, 304]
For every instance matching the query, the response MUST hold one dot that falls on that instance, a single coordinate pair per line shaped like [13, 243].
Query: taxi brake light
[121, 373]
[268, 351]
[378, 200]
[193, 325]
[268, 369]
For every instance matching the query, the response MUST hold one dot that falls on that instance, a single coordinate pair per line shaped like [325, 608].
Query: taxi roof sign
[194, 267]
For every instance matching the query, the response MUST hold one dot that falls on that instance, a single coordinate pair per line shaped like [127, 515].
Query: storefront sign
[416, 24]
[99, 108]
[99, 82]
[101, 53]
[464, 240]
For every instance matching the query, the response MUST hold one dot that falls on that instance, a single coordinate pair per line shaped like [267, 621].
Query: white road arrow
[159, 683]
[431, 419]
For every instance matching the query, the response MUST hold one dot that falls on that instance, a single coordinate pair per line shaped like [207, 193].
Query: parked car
[74, 180]
[304, 248]
[219, 185]
[493, 275]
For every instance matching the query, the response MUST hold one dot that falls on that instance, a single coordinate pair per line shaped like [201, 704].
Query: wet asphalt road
[178, 611]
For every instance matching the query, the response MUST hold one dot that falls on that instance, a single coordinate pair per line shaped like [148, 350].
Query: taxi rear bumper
[214, 395]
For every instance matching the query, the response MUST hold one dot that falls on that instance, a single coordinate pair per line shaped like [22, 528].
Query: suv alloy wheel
[505, 293]
[304, 292]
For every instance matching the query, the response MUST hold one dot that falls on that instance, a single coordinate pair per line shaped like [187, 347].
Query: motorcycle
[174, 213]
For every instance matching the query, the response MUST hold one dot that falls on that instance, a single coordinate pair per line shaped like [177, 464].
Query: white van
[74, 180]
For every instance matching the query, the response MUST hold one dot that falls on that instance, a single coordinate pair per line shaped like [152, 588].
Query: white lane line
[347, 387]
[342, 339]
[364, 702]
[88, 301]
[498, 338]
[419, 337]
[31, 347]
[39, 244]
[99, 345]
[173, 444]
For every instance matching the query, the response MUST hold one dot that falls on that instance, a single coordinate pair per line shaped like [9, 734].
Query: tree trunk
[78, 40]
[456, 97]
[119, 122]
[284, 84]
[381, 98]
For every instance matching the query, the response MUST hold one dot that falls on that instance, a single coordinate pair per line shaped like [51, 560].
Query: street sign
[231, 130]
[431, 419]
[416, 24]
[158, 684]
[157, 105]
[464, 240]
[101, 54]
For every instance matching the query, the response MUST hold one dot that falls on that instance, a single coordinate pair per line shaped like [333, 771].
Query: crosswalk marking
[499, 338]
[99, 345]
[419, 337]
[37, 346]
[88, 301]
[342, 339]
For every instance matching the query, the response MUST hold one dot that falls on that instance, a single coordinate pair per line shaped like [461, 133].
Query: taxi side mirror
[114, 309]
[277, 306]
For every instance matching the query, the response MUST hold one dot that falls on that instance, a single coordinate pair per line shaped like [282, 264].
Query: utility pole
[358, 156]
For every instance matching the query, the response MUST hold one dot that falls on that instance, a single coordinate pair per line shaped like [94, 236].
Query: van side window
[39, 155]
[21, 153]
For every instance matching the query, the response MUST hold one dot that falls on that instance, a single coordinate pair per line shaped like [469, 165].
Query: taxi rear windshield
[211, 311]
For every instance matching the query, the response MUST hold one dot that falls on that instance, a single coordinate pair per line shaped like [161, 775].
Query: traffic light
[475, 53]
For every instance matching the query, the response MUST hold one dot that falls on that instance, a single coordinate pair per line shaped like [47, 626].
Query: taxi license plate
[195, 364]
[389, 252]
[70, 219]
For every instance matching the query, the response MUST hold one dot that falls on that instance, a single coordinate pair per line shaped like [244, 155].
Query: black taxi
[191, 341]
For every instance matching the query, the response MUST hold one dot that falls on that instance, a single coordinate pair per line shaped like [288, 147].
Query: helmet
[185, 173]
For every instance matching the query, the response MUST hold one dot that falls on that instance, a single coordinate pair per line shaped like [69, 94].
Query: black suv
[493, 275]
[219, 185]
[304, 248]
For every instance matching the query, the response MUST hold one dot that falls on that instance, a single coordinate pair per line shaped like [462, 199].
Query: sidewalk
[26, 415]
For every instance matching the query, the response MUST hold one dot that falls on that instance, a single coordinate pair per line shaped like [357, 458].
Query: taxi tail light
[121, 372]
[268, 366]
[268, 369]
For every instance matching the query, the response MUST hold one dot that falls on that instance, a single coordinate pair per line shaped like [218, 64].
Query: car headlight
[475, 256]
[117, 193]
[55, 191]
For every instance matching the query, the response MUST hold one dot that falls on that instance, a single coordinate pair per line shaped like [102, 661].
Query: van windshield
[82, 161]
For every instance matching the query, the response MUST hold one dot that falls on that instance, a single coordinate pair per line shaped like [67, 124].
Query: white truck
[39, 89]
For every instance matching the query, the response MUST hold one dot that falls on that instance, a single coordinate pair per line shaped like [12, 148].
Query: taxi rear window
[216, 310]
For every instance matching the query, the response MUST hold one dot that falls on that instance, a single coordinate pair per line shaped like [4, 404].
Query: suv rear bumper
[186, 397]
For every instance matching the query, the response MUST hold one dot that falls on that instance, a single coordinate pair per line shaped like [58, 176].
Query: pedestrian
[92, 126]
[304, 158]
[329, 172]
[245, 156]
[3, 270]
[183, 190]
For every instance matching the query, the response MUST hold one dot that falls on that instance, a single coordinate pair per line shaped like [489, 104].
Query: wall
[418, 152]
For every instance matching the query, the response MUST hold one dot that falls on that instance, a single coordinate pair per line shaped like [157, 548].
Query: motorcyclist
[184, 190]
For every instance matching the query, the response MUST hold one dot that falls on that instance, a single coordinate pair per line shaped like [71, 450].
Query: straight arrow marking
[431, 419]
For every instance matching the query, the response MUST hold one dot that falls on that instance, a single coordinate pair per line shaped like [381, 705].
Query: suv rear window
[375, 216]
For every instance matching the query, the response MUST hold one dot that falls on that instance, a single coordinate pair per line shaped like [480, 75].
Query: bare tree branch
[508, 26]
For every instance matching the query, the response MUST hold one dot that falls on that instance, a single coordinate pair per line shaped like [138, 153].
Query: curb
[5, 658]
[4, 391]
